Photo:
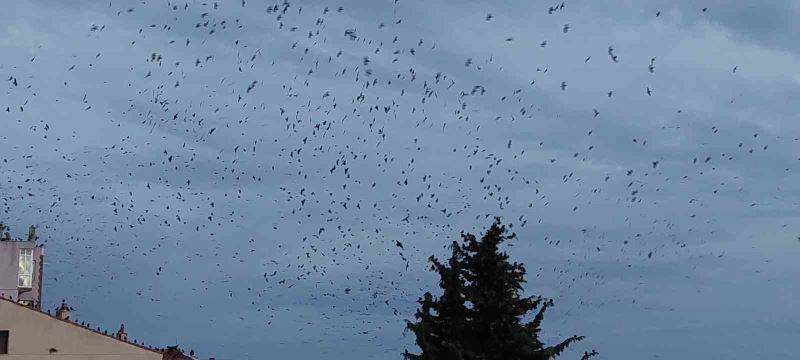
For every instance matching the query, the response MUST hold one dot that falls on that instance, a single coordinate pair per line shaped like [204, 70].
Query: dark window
[3, 341]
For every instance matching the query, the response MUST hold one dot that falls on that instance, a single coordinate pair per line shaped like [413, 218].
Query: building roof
[175, 353]
[170, 353]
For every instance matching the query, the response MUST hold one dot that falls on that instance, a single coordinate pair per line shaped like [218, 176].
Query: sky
[235, 177]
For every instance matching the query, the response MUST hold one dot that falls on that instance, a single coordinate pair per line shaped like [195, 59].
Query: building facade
[28, 333]
[21, 267]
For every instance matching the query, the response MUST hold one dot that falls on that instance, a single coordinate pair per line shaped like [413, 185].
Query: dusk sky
[239, 176]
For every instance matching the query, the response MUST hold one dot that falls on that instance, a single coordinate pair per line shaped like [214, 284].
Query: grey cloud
[259, 226]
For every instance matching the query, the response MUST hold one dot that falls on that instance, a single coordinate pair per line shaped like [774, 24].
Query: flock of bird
[297, 164]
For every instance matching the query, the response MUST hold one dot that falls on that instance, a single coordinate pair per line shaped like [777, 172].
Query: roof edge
[160, 352]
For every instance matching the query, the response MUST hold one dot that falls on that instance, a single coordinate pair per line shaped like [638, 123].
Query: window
[25, 268]
[3, 341]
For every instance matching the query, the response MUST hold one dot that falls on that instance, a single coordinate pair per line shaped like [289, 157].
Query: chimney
[32, 233]
[121, 334]
[63, 311]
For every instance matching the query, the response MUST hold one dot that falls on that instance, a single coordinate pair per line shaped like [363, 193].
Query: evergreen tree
[481, 312]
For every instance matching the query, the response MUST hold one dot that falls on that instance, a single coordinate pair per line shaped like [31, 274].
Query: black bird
[611, 54]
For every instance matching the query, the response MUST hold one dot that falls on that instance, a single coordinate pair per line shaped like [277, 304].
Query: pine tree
[481, 312]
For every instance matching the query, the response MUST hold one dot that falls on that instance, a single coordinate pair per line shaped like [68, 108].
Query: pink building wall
[9, 271]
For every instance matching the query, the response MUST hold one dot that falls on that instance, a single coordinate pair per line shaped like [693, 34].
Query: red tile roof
[174, 353]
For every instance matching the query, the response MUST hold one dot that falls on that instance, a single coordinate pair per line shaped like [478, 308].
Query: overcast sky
[236, 178]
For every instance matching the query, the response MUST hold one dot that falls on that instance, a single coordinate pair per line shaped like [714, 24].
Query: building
[21, 265]
[28, 333]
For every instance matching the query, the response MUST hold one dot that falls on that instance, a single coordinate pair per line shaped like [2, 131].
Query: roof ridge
[141, 346]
